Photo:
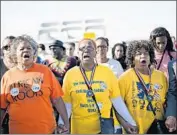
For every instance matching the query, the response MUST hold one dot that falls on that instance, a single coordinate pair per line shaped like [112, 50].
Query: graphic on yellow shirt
[85, 117]
[137, 102]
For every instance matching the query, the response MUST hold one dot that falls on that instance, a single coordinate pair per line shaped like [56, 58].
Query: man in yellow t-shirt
[84, 113]
[80, 105]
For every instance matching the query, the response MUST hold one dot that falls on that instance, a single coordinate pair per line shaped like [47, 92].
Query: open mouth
[86, 56]
[26, 56]
[143, 62]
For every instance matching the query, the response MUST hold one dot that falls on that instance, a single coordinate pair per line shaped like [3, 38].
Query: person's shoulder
[73, 70]
[174, 54]
[129, 72]
[10, 72]
[41, 67]
[103, 67]
[113, 61]
[170, 63]
[158, 73]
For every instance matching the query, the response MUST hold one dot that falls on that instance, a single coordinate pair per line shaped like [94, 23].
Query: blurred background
[70, 20]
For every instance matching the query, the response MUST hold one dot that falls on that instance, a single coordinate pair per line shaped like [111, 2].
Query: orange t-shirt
[28, 94]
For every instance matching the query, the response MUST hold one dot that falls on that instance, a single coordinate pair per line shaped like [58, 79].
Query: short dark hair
[103, 38]
[123, 45]
[42, 46]
[138, 44]
[71, 43]
[10, 37]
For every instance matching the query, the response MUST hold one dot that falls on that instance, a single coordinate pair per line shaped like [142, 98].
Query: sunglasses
[6, 47]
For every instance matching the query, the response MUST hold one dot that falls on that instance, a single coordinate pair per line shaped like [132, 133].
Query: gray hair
[17, 41]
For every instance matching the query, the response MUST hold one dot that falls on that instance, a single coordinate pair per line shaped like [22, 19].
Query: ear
[95, 52]
[107, 48]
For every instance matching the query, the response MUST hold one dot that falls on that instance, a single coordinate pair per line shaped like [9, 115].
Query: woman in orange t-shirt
[28, 92]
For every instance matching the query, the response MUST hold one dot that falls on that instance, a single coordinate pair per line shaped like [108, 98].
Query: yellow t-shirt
[85, 117]
[135, 98]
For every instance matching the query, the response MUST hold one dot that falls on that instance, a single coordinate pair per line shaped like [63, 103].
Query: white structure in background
[70, 31]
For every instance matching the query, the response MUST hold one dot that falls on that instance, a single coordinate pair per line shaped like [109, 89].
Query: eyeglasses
[86, 48]
[6, 47]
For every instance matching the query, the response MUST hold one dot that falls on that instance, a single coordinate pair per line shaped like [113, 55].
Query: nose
[53, 49]
[26, 50]
[162, 45]
[143, 55]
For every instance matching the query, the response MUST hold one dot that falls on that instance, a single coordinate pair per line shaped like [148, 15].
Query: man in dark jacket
[171, 110]
[58, 63]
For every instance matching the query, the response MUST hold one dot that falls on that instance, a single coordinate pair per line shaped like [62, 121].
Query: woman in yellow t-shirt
[140, 55]
[78, 96]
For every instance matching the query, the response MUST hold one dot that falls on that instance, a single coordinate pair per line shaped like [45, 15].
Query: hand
[130, 129]
[61, 129]
[171, 123]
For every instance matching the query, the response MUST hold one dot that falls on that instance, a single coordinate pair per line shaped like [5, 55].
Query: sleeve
[172, 93]
[114, 91]
[56, 90]
[3, 96]
[66, 88]
[120, 69]
[123, 85]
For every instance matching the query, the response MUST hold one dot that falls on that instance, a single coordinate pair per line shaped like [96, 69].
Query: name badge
[36, 87]
[103, 86]
[14, 92]
[89, 93]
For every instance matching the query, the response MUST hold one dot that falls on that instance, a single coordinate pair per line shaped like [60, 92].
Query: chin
[27, 62]
[144, 66]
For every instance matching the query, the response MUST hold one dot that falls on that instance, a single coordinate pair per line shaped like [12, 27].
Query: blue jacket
[171, 109]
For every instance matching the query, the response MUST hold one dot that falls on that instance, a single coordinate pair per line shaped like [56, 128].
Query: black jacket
[171, 109]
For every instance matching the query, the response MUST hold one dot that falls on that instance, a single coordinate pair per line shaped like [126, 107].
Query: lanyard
[149, 98]
[158, 67]
[141, 79]
[88, 83]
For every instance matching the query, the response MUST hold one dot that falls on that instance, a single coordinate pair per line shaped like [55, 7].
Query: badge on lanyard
[103, 86]
[149, 98]
[14, 92]
[156, 86]
[89, 93]
[36, 87]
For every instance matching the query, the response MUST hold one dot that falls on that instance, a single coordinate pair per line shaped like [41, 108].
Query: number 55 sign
[72, 30]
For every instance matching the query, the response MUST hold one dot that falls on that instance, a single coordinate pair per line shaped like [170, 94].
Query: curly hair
[136, 45]
[123, 45]
[16, 43]
[159, 32]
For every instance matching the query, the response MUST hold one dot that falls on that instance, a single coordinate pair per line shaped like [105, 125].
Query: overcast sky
[124, 20]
